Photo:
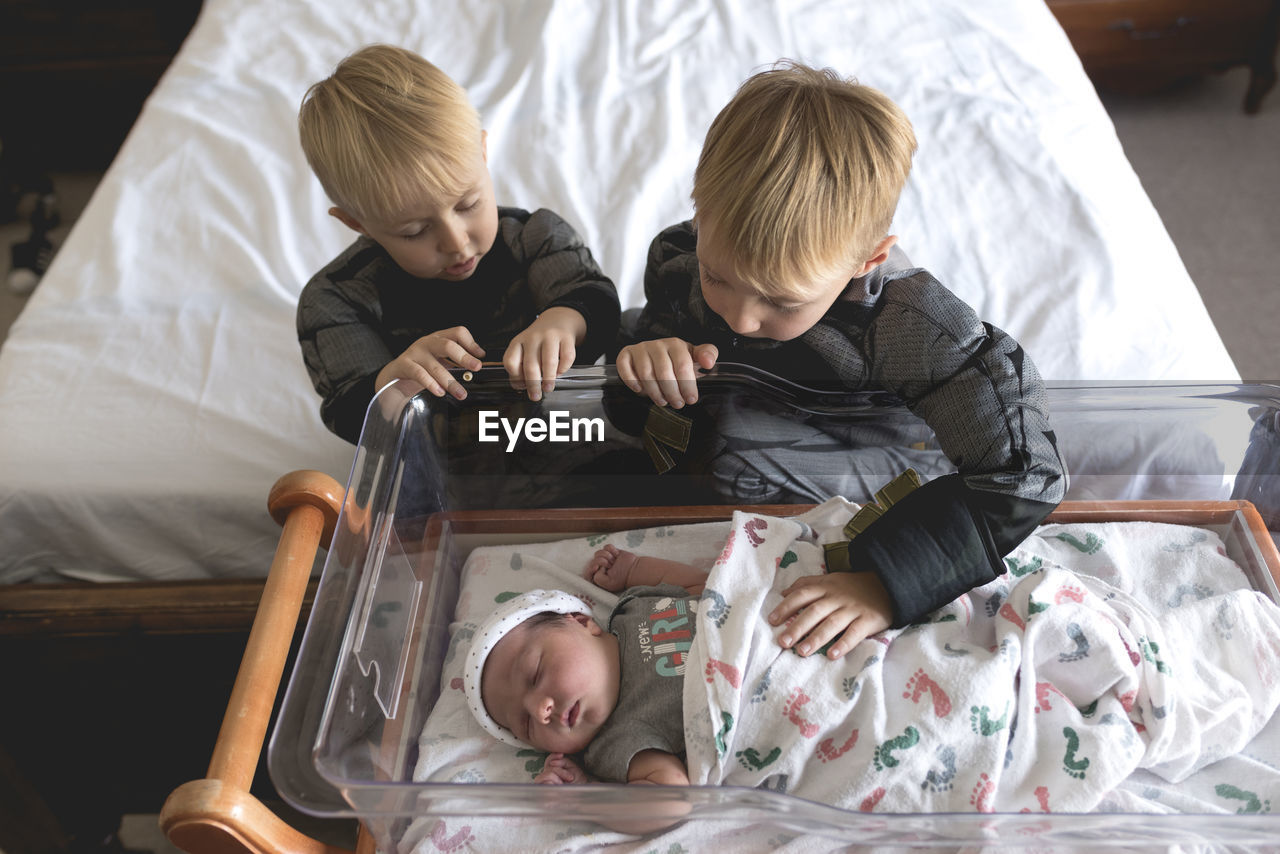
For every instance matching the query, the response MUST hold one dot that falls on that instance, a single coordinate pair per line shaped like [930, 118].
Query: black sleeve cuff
[344, 414]
[599, 308]
[941, 541]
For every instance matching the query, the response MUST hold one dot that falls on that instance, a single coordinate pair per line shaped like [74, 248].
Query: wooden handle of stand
[302, 499]
[202, 812]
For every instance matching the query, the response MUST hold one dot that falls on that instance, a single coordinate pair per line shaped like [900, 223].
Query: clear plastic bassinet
[433, 478]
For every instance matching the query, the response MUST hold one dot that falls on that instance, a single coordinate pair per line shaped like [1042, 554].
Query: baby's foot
[611, 568]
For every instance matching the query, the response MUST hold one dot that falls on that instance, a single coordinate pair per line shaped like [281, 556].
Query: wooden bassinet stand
[218, 813]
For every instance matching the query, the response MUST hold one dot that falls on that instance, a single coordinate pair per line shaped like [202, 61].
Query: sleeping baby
[542, 673]
[1043, 691]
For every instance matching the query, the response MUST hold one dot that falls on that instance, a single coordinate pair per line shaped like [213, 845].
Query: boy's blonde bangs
[800, 175]
[784, 262]
[385, 130]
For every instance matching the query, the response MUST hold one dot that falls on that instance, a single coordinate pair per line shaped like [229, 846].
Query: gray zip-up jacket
[362, 310]
[899, 330]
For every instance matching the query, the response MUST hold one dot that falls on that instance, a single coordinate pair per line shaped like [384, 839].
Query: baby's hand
[544, 351]
[559, 769]
[428, 359]
[823, 606]
[611, 568]
[666, 369]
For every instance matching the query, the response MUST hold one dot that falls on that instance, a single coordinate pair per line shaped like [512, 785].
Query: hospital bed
[154, 384]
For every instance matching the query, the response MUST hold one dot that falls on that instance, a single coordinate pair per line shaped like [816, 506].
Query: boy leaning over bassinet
[788, 265]
[440, 276]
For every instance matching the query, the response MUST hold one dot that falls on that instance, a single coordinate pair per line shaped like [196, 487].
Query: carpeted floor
[1213, 173]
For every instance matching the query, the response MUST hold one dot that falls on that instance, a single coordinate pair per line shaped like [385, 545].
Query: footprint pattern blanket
[1041, 691]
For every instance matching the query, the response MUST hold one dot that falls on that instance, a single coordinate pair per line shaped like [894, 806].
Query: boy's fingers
[688, 390]
[568, 352]
[511, 358]
[666, 371]
[461, 357]
[802, 623]
[425, 379]
[462, 336]
[446, 381]
[827, 630]
[847, 641]
[512, 363]
[800, 633]
[643, 369]
[644, 373]
[669, 391]
[550, 365]
[705, 355]
[414, 371]
[436, 379]
[684, 374]
[801, 583]
[533, 379]
[626, 372]
[681, 361]
[793, 600]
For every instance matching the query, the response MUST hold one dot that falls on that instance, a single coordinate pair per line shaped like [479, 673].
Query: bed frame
[87, 609]
[99, 667]
[219, 814]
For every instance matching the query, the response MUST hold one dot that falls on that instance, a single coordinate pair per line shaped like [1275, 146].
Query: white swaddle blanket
[1041, 691]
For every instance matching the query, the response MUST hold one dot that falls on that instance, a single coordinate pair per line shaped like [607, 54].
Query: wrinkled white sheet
[153, 389]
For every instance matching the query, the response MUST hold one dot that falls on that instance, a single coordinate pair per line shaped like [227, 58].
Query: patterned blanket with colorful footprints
[1041, 691]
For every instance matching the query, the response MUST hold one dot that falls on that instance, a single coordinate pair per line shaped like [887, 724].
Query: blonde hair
[386, 128]
[800, 175]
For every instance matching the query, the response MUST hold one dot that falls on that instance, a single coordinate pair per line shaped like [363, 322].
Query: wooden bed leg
[218, 814]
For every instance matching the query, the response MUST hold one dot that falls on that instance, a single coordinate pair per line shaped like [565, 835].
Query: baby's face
[553, 685]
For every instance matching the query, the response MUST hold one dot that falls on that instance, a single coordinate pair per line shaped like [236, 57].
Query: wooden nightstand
[75, 73]
[1140, 46]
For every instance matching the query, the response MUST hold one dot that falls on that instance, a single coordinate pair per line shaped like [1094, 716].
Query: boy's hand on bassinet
[611, 568]
[560, 769]
[427, 362]
[821, 607]
[666, 369]
[545, 350]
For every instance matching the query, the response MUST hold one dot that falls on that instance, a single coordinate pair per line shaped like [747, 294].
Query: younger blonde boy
[441, 276]
[789, 266]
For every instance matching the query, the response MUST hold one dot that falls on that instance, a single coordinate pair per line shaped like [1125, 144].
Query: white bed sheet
[153, 389]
